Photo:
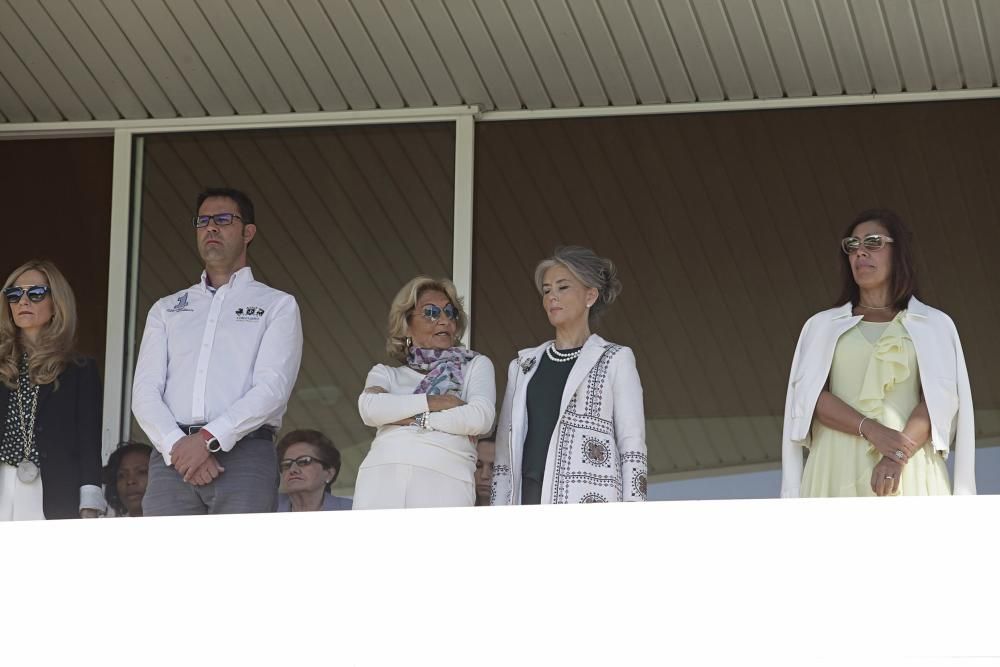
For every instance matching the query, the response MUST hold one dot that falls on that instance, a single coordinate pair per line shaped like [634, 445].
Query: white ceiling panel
[936, 30]
[80, 60]
[784, 46]
[971, 42]
[839, 23]
[909, 45]
[546, 58]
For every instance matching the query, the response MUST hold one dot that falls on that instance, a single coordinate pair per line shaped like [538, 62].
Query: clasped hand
[889, 441]
[193, 461]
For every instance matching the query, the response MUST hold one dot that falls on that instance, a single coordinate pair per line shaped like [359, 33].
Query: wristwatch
[212, 444]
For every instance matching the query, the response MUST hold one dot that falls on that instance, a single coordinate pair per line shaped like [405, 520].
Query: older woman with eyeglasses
[429, 409]
[50, 451]
[309, 465]
[879, 391]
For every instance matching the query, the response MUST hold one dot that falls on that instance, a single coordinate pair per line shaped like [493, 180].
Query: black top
[67, 436]
[544, 397]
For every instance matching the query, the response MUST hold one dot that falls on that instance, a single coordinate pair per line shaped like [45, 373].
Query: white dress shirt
[226, 358]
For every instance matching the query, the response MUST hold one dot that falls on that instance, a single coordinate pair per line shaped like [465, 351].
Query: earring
[409, 341]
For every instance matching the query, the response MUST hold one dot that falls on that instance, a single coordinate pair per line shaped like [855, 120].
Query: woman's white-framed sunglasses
[871, 243]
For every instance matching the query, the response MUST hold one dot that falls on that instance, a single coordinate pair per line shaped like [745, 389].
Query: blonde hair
[591, 270]
[402, 308]
[53, 350]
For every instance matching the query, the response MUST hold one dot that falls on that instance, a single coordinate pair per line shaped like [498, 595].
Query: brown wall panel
[56, 205]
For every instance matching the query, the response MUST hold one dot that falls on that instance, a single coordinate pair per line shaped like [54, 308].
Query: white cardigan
[447, 446]
[943, 377]
[597, 452]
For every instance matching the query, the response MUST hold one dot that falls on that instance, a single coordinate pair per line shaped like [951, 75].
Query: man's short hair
[241, 198]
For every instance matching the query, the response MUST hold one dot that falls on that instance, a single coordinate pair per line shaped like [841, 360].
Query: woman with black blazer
[50, 444]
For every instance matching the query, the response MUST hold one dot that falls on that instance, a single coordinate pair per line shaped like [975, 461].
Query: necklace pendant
[27, 472]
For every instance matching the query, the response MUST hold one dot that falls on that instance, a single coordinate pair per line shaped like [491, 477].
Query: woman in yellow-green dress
[879, 392]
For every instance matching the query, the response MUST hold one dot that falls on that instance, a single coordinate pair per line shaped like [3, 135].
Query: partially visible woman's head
[574, 282]
[426, 312]
[40, 318]
[308, 461]
[876, 251]
[125, 478]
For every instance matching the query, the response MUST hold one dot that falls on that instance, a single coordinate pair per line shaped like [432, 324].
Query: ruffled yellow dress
[876, 375]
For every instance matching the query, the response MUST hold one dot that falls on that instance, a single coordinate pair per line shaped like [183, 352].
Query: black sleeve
[89, 411]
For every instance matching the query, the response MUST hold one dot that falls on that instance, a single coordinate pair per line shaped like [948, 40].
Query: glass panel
[345, 216]
[726, 230]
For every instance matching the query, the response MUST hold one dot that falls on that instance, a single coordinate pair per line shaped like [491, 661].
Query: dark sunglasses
[871, 243]
[433, 313]
[221, 219]
[302, 462]
[35, 293]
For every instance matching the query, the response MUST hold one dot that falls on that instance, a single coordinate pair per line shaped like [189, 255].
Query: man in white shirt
[216, 366]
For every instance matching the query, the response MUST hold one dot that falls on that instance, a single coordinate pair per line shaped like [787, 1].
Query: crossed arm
[834, 413]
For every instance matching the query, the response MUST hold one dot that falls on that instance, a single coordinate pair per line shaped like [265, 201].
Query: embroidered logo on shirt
[249, 313]
[181, 305]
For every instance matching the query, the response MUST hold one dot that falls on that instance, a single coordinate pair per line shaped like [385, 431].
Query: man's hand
[205, 473]
[188, 454]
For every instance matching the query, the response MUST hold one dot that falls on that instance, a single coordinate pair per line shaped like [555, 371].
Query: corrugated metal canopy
[82, 60]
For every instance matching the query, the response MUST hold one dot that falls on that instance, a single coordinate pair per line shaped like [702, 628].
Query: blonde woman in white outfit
[572, 427]
[428, 410]
[879, 391]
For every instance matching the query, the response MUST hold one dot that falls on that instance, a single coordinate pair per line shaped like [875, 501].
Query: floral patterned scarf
[444, 368]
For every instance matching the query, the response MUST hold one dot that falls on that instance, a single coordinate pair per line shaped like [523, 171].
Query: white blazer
[597, 452]
[943, 377]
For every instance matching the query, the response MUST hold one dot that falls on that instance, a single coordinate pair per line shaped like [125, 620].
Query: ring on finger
[899, 454]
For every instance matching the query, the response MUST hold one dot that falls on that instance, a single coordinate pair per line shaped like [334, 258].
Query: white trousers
[19, 501]
[398, 486]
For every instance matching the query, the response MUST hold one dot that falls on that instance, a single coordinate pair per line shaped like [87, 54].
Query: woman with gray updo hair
[572, 427]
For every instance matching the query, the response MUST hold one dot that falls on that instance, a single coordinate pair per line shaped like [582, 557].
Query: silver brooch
[527, 364]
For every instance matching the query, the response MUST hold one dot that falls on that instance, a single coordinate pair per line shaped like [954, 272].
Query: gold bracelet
[863, 420]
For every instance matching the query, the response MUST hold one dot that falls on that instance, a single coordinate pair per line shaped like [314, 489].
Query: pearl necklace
[555, 355]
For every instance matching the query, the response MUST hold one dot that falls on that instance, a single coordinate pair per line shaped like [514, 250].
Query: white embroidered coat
[597, 451]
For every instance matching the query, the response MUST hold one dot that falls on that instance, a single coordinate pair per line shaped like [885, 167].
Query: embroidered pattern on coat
[587, 465]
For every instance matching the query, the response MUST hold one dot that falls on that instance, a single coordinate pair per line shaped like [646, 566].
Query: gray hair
[591, 270]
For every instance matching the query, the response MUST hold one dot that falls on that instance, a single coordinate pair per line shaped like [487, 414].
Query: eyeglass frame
[8, 292]
[298, 462]
[214, 218]
[441, 311]
[884, 239]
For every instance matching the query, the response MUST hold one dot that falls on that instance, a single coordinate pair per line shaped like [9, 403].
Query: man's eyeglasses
[302, 462]
[35, 293]
[871, 243]
[221, 219]
[433, 313]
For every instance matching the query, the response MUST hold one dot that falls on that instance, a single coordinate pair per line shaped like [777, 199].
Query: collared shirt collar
[238, 279]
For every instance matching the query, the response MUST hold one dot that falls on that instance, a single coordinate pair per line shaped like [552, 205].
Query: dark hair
[327, 452]
[904, 274]
[241, 198]
[111, 472]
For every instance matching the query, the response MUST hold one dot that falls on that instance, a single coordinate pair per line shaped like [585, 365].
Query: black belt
[263, 433]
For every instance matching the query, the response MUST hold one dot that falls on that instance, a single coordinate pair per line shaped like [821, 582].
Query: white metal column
[118, 291]
[465, 143]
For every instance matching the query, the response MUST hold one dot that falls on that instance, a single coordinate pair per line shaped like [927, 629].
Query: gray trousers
[248, 484]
